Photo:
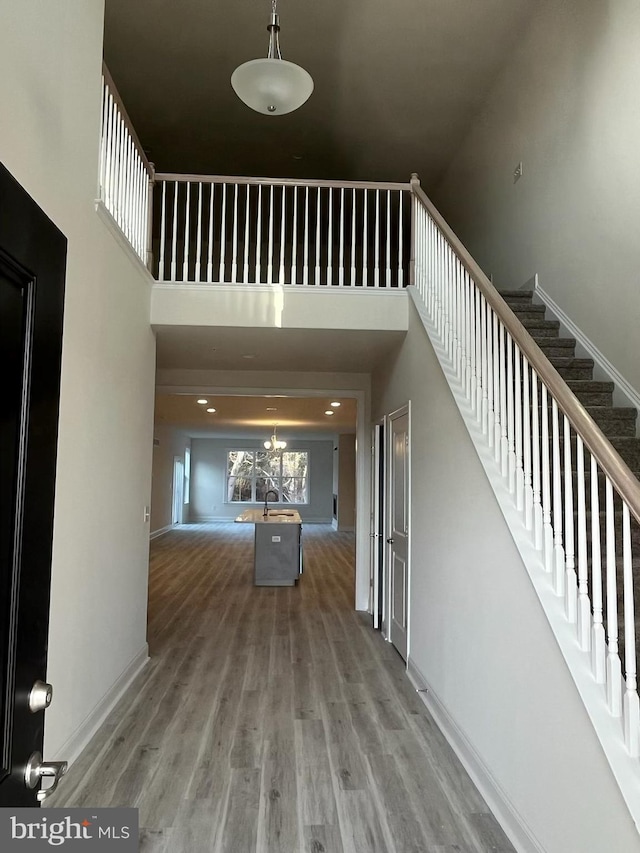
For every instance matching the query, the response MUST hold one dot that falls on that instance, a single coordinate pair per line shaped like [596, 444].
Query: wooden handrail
[279, 182]
[113, 89]
[616, 469]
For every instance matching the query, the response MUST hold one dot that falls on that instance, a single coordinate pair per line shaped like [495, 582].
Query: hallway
[274, 719]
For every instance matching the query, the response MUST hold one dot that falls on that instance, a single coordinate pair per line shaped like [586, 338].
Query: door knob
[40, 696]
[390, 541]
[38, 769]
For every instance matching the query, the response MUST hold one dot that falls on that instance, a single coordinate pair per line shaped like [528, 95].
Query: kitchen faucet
[266, 507]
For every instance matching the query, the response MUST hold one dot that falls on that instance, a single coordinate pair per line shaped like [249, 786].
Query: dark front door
[32, 267]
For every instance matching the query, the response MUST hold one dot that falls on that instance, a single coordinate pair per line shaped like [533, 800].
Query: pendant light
[274, 443]
[272, 86]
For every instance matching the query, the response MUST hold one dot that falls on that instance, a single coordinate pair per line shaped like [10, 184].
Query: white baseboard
[334, 523]
[627, 390]
[505, 812]
[161, 531]
[72, 748]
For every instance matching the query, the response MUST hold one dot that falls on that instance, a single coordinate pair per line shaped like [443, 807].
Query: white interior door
[398, 530]
[178, 490]
[377, 522]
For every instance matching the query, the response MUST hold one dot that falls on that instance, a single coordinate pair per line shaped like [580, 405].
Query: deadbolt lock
[40, 696]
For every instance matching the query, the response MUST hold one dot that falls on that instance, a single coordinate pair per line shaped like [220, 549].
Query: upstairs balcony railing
[275, 231]
[577, 498]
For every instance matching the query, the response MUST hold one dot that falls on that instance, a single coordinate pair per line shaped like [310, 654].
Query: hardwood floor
[274, 719]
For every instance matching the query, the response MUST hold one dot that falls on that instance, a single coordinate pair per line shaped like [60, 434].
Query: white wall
[208, 478]
[566, 105]
[50, 65]
[479, 636]
[171, 443]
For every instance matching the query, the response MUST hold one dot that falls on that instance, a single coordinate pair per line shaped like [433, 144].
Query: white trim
[316, 289]
[72, 748]
[622, 385]
[334, 523]
[608, 728]
[161, 531]
[507, 815]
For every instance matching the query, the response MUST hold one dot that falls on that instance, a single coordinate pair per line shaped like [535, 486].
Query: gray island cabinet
[278, 545]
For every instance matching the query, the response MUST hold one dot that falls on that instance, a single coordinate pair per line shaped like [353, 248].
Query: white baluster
[614, 666]
[535, 447]
[186, 240]
[259, 236]
[376, 274]
[294, 244]
[174, 237]
[497, 414]
[558, 547]
[283, 228]
[317, 280]
[247, 211]
[198, 267]
[234, 254]
[388, 278]
[341, 255]
[270, 244]
[365, 236]
[526, 445]
[504, 439]
[163, 225]
[484, 361]
[400, 240]
[571, 580]
[330, 239]
[305, 268]
[210, 240]
[490, 346]
[598, 639]
[519, 470]
[478, 346]
[511, 458]
[223, 233]
[547, 527]
[353, 238]
[584, 605]
[631, 707]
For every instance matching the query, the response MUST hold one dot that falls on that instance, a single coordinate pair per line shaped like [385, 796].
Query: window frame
[280, 477]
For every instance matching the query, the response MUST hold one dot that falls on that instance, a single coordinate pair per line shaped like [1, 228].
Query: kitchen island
[278, 545]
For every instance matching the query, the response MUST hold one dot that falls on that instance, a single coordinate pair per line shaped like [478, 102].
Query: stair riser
[576, 372]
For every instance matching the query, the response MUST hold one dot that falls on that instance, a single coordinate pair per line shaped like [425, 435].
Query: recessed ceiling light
[249, 355]
[272, 408]
[211, 410]
[335, 404]
[329, 412]
[203, 402]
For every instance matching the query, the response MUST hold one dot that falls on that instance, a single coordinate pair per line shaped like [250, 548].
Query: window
[252, 473]
[187, 474]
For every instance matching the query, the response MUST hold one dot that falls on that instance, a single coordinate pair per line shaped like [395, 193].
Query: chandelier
[274, 442]
[272, 86]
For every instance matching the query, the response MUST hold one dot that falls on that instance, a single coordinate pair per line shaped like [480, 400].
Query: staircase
[617, 423]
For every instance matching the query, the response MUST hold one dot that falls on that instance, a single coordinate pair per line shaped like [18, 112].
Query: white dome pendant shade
[272, 86]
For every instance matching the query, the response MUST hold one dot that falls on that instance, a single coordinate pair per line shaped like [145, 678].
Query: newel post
[415, 182]
[152, 180]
